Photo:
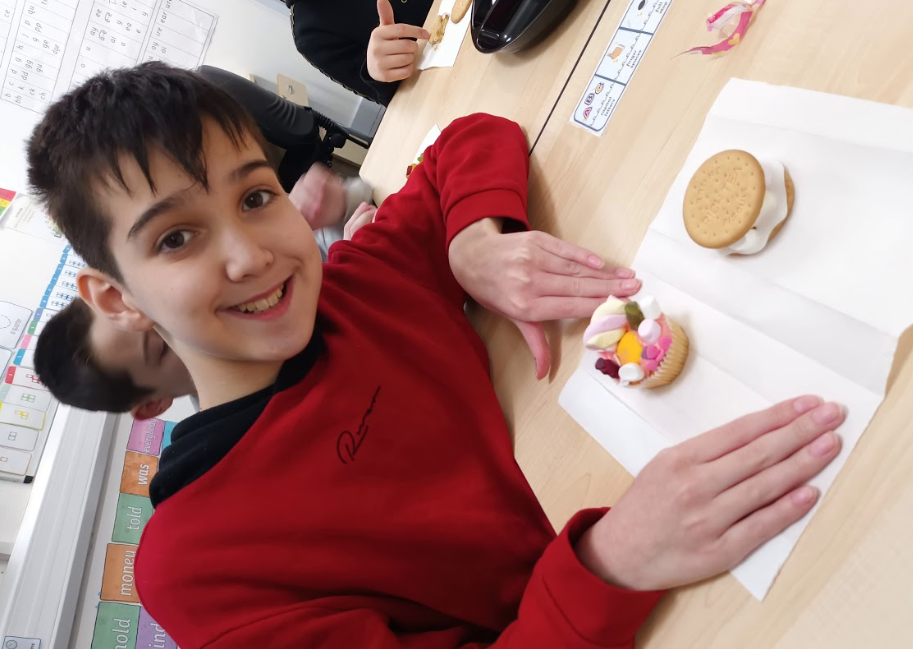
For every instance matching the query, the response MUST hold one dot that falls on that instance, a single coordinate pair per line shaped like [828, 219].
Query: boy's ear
[151, 409]
[106, 298]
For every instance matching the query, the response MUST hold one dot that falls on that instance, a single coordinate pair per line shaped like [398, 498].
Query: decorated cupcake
[637, 344]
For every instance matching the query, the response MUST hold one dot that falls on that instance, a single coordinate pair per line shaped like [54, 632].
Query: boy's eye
[175, 240]
[257, 199]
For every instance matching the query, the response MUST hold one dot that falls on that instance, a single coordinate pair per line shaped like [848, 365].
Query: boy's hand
[531, 277]
[320, 197]
[699, 508]
[391, 55]
[362, 215]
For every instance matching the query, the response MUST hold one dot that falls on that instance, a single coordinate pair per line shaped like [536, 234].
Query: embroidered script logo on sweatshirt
[349, 443]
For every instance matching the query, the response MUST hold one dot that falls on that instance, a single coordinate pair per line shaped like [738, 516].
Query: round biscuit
[724, 198]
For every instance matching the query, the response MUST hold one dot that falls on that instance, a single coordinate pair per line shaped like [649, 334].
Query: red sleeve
[564, 607]
[480, 168]
[476, 169]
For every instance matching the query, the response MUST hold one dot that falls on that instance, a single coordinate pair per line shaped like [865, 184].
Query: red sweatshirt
[370, 498]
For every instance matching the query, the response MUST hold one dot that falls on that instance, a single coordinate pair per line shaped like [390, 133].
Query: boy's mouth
[266, 303]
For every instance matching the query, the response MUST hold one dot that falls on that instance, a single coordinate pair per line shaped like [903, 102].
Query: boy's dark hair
[122, 112]
[66, 365]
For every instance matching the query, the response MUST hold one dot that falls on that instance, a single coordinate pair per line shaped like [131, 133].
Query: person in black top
[365, 47]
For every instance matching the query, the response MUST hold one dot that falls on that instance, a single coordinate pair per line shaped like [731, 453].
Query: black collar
[199, 442]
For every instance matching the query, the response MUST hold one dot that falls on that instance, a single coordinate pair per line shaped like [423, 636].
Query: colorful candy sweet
[649, 331]
[629, 349]
[607, 325]
[634, 314]
[607, 367]
[637, 344]
[631, 373]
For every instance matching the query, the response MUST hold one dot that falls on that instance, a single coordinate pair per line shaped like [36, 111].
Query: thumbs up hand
[391, 53]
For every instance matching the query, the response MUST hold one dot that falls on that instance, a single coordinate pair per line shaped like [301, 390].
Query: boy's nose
[245, 257]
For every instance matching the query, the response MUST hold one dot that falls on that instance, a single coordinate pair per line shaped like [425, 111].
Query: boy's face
[231, 273]
[144, 356]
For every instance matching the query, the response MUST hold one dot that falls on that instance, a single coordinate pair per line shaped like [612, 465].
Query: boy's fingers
[725, 439]
[362, 209]
[544, 309]
[534, 335]
[385, 12]
[768, 486]
[402, 31]
[395, 61]
[551, 263]
[746, 535]
[568, 250]
[773, 448]
[398, 74]
[564, 286]
[397, 46]
[355, 224]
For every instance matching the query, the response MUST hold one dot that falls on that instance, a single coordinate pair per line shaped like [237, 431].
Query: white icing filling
[773, 212]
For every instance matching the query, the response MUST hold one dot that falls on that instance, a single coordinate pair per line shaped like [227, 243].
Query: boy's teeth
[264, 304]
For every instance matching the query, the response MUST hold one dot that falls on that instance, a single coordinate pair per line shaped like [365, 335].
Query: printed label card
[13, 321]
[25, 215]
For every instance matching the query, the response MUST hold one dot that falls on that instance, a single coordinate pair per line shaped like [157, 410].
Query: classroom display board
[110, 615]
[27, 408]
[51, 46]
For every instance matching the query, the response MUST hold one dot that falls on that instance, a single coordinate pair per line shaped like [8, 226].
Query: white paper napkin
[819, 311]
[430, 139]
[444, 55]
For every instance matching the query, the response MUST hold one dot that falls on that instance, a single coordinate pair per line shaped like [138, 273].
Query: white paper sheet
[430, 139]
[819, 311]
[444, 55]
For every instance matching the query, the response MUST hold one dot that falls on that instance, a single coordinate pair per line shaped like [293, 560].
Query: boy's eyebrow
[248, 168]
[159, 208]
[175, 200]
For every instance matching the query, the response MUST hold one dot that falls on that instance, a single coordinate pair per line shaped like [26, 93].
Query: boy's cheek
[314, 280]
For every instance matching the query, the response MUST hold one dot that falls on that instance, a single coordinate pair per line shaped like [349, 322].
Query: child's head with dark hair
[160, 182]
[87, 363]
[85, 136]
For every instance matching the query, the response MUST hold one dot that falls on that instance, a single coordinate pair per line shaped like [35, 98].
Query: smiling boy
[88, 362]
[350, 481]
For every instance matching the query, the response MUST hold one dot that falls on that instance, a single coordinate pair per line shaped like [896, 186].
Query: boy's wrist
[464, 250]
[600, 553]
[481, 228]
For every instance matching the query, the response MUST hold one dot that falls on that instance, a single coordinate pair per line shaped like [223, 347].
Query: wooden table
[850, 580]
